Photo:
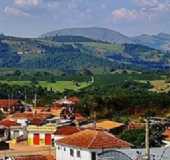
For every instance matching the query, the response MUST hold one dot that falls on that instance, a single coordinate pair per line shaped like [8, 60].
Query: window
[58, 148]
[78, 154]
[64, 149]
[93, 156]
[72, 152]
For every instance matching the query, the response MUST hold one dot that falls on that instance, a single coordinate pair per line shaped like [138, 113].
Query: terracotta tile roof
[70, 101]
[8, 123]
[30, 115]
[106, 124]
[74, 99]
[8, 103]
[67, 130]
[79, 117]
[93, 139]
[37, 121]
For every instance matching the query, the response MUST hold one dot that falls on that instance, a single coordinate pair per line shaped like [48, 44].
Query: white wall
[65, 155]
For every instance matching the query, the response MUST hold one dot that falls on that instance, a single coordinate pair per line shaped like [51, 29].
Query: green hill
[74, 53]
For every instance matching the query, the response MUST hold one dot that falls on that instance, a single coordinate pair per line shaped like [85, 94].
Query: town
[84, 79]
[59, 132]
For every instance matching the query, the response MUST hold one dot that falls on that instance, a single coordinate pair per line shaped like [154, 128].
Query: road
[26, 150]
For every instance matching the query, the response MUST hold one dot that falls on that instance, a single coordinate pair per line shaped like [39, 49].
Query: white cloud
[148, 9]
[154, 5]
[27, 2]
[147, 2]
[14, 12]
[125, 14]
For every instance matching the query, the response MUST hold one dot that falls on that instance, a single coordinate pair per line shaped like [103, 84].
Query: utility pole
[34, 103]
[147, 147]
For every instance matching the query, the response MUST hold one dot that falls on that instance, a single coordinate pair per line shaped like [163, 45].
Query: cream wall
[65, 155]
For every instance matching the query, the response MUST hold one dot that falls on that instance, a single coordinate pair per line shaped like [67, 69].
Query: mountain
[74, 53]
[159, 41]
[95, 33]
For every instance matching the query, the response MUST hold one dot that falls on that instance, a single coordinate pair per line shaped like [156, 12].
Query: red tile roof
[74, 99]
[93, 139]
[30, 115]
[8, 123]
[37, 121]
[79, 117]
[67, 130]
[8, 103]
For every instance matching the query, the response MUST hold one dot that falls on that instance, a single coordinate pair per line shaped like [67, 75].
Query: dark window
[72, 152]
[58, 148]
[64, 149]
[93, 156]
[78, 154]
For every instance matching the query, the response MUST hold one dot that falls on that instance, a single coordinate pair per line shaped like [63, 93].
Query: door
[36, 139]
[47, 139]
[93, 156]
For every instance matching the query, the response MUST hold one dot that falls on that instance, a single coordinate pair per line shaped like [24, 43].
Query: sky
[31, 18]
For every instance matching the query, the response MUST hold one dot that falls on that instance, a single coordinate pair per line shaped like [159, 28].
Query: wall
[65, 155]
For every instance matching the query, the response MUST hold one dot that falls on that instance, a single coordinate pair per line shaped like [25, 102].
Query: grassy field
[160, 86]
[64, 85]
[56, 86]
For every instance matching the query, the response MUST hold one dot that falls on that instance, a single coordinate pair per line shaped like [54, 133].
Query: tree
[2, 116]
[135, 136]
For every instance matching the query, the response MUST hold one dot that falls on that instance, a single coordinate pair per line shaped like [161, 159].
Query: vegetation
[135, 137]
[74, 53]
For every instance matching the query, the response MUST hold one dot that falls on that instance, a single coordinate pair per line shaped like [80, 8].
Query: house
[87, 144]
[111, 126]
[29, 117]
[40, 135]
[4, 135]
[106, 125]
[15, 130]
[11, 105]
[64, 131]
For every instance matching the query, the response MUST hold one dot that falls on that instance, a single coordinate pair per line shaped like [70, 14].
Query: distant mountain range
[96, 49]
[160, 41]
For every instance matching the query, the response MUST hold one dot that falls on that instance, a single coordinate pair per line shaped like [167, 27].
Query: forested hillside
[74, 53]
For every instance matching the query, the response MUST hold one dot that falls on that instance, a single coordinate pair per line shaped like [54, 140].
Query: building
[4, 135]
[11, 105]
[28, 117]
[111, 126]
[15, 130]
[106, 125]
[87, 144]
[41, 135]
[64, 131]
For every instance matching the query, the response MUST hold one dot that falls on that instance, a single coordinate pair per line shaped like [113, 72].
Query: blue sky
[31, 18]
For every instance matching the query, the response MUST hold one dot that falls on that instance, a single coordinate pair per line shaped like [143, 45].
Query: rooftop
[106, 124]
[92, 139]
[8, 123]
[66, 130]
[8, 102]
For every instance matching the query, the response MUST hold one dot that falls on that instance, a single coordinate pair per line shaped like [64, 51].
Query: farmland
[60, 86]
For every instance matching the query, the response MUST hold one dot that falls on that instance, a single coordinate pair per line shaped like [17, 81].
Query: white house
[87, 144]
